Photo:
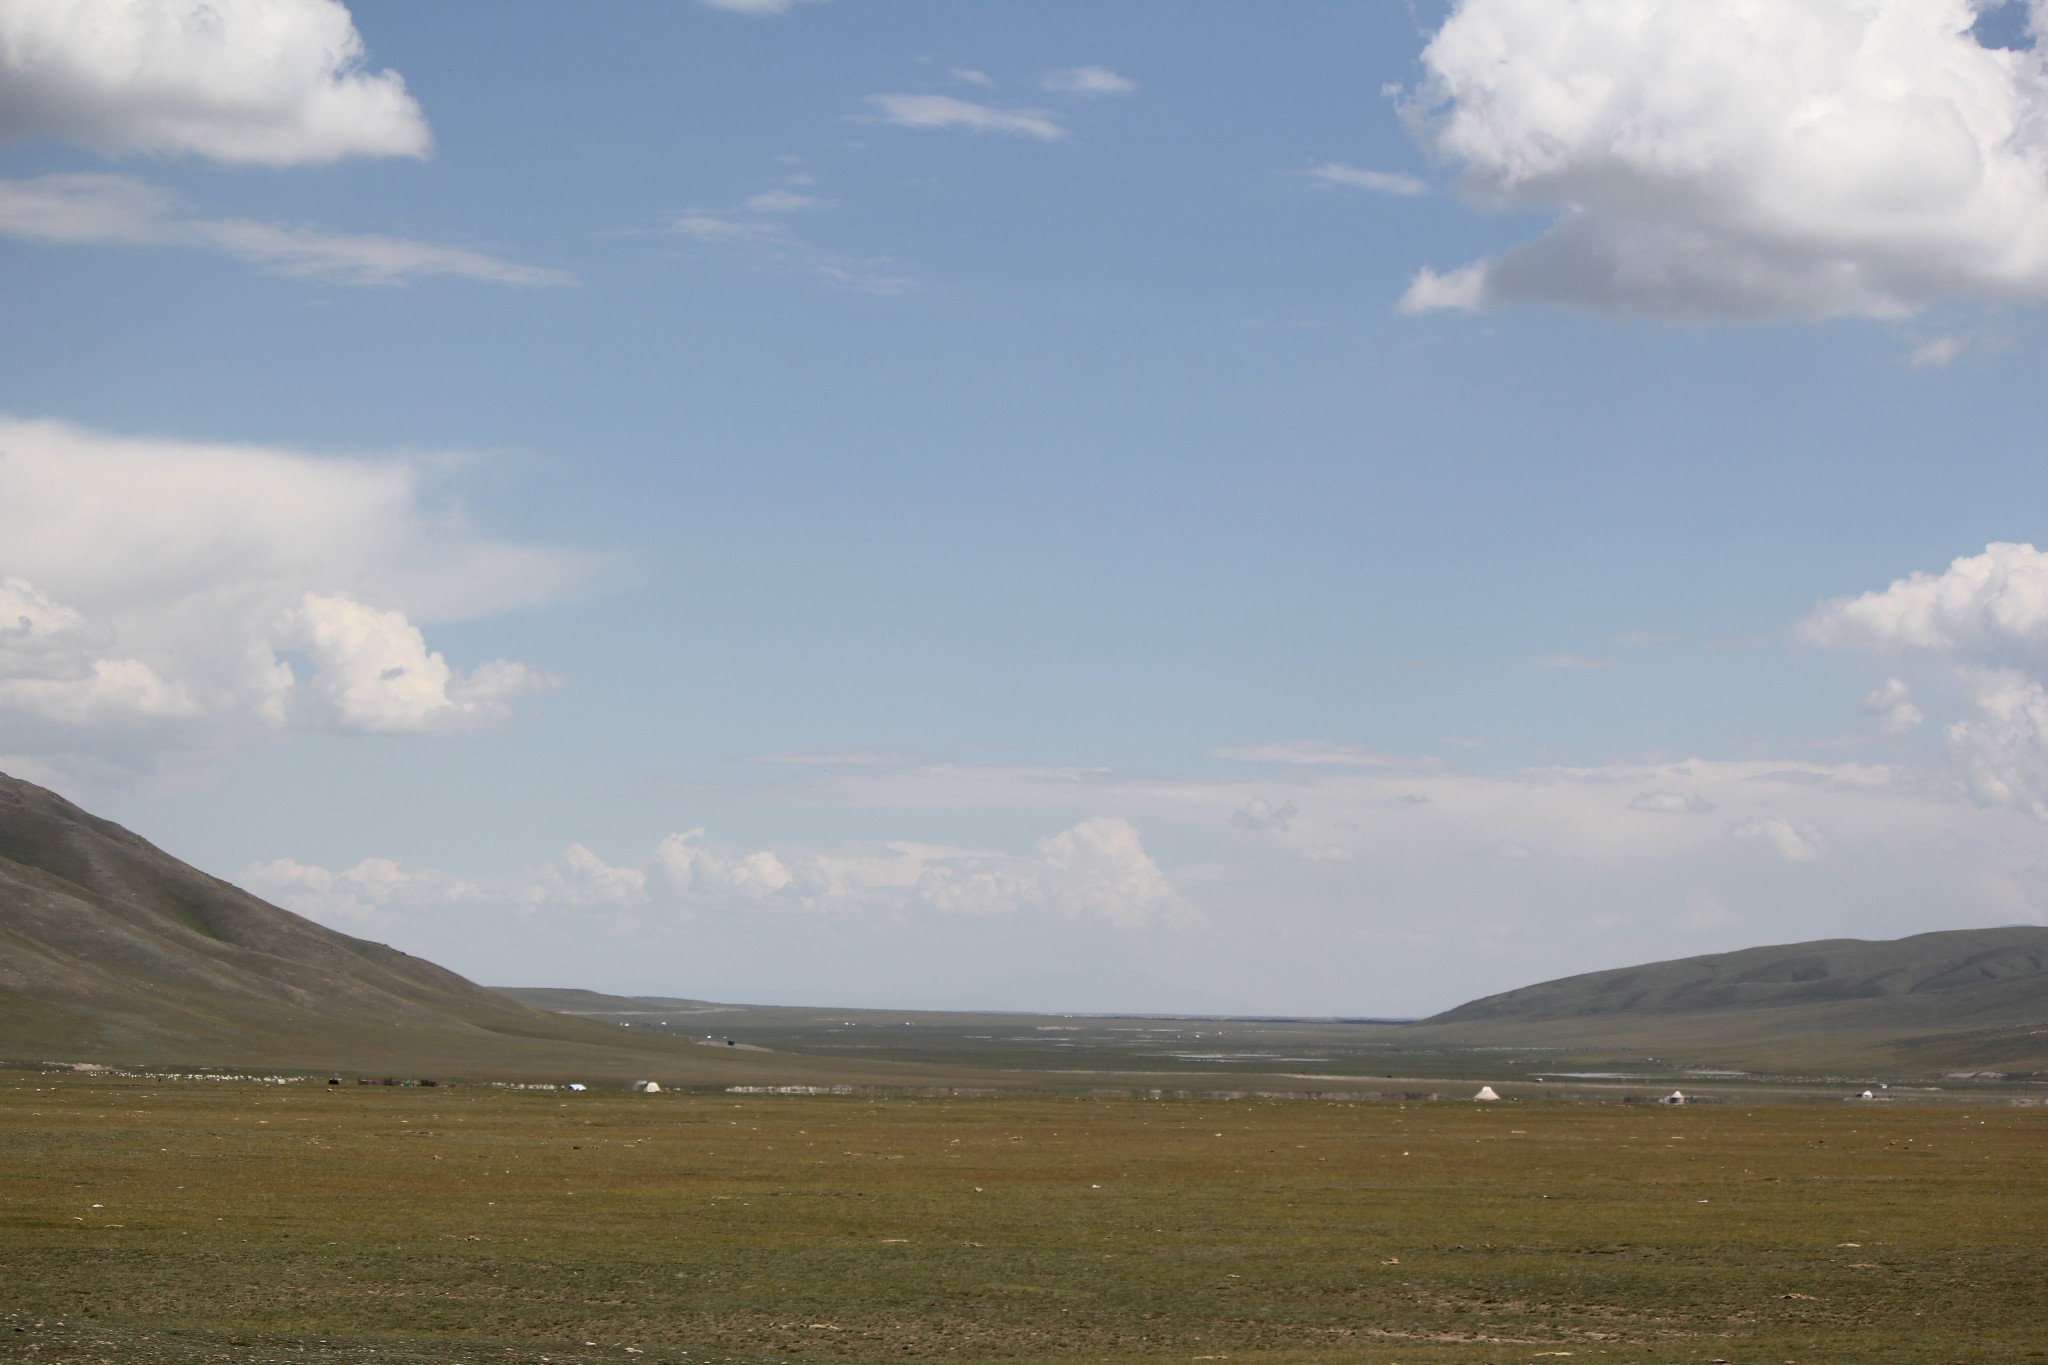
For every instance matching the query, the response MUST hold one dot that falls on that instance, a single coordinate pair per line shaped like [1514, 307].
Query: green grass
[258, 1223]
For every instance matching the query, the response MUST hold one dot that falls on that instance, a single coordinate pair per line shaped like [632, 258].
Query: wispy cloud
[1357, 178]
[1936, 353]
[1087, 80]
[783, 201]
[760, 7]
[770, 244]
[1562, 660]
[972, 77]
[122, 210]
[1310, 753]
[943, 111]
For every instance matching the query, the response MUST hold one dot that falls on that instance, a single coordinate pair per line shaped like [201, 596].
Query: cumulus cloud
[1795, 842]
[161, 596]
[1087, 80]
[1742, 160]
[1986, 617]
[375, 674]
[1989, 609]
[253, 82]
[78, 209]
[693, 866]
[1380, 182]
[944, 111]
[579, 879]
[1892, 703]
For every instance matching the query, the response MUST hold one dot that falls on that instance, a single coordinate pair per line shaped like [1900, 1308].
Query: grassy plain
[188, 1222]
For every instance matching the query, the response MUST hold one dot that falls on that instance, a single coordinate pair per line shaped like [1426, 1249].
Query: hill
[111, 950]
[1967, 998]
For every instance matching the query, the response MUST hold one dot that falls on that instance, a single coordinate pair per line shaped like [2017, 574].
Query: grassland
[205, 1222]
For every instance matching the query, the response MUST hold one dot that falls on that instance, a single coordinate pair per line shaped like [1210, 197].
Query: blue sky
[1315, 508]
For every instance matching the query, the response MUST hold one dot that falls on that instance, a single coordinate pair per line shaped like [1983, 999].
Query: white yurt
[1486, 1093]
[648, 1087]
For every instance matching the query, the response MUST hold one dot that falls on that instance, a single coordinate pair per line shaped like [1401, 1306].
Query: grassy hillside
[113, 951]
[1958, 1000]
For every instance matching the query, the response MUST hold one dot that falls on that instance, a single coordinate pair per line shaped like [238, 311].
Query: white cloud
[581, 880]
[1569, 662]
[1990, 609]
[264, 82]
[1986, 617]
[1380, 182]
[970, 76]
[1087, 80]
[943, 111]
[376, 676]
[154, 591]
[117, 209]
[1743, 160]
[1892, 703]
[358, 258]
[1800, 842]
[693, 866]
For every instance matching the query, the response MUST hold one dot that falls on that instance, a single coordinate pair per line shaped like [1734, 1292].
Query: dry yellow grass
[196, 1222]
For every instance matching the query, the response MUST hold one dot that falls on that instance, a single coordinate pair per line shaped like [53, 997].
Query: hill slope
[1962, 998]
[112, 950]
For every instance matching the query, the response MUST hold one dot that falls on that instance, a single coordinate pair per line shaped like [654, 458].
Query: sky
[1302, 508]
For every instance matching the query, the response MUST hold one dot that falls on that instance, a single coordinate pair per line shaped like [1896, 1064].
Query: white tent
[575, 1085]
[1675, 1097]
[1486, 1093]
[648, 1087]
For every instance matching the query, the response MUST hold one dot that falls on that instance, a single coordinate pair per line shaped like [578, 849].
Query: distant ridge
[1963, 997]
